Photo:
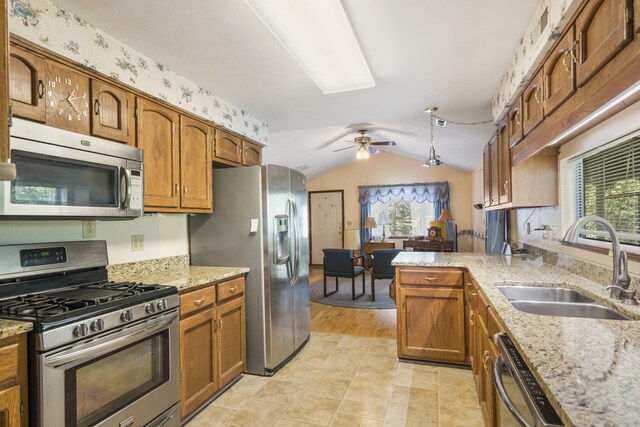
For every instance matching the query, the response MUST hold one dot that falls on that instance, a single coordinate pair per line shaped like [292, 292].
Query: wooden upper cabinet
[515, 122]
[603, 28]
[559, 73]
[195, 164]
[27, 84]
[486, 171]
[231, 340]
[495, 175]
[227, 147]
[504, 164]
[157, 135]
[67, 95]
[532, 104]
[111, 112]
[252, 154]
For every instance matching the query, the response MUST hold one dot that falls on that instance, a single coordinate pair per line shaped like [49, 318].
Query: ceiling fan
[365, 145]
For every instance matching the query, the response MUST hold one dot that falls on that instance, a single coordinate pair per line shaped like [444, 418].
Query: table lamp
[352, 239]
[370, 223]
[383, 220]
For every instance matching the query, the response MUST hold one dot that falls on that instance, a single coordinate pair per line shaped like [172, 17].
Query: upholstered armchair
[342, 263]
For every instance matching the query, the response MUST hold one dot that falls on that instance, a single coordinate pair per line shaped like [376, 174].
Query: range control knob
[97, 325]
[150, 308]
[81, 330]
[162, 304]
[126, 316]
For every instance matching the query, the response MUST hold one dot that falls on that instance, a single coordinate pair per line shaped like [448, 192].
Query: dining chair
[381, 266]
[341, 263]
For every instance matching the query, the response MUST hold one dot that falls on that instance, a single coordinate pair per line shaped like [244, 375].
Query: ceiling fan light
[363, 153]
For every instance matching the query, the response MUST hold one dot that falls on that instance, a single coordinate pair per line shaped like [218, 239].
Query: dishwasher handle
[502, 392]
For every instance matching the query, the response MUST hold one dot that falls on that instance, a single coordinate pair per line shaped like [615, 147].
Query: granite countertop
[589, 368]
[189, 277]
[9, 328]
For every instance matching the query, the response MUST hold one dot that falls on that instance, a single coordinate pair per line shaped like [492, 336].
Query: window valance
[428, 192]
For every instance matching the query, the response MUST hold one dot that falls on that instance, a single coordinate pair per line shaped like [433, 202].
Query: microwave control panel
[136, 190]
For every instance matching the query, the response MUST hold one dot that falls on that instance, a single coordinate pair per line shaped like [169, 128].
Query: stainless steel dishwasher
[522, 402]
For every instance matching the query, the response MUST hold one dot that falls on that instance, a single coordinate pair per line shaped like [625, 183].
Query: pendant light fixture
[433, 159]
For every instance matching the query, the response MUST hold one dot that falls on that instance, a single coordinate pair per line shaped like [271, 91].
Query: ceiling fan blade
[396, 130]
[334, 139]
[345, 148]
[383, 143]
[373, 150]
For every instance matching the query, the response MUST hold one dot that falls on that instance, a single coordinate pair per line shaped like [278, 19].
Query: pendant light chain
[431, 125]
[453, 122]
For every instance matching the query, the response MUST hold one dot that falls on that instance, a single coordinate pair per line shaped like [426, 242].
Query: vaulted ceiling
[421, 52]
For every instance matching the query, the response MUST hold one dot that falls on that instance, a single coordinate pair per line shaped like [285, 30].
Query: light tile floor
[343, 380]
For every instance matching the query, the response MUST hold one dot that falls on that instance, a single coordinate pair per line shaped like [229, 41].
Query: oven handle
[163, 419]
[497, 376]
[99, 349]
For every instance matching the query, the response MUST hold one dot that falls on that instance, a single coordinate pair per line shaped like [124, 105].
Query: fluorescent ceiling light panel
[318, 35]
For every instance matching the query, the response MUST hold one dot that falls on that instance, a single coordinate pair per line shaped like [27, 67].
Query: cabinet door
[486, 171]
[603, 28]
[157, 135]
[227, 147]
[515, 122]
[488, 405]
[495, 167]
[432, 324]
[532, 104]
[198, 360]
[504, 164]
[67, 104]
[195, 164]
[231, 340]
[10, 407]
[252, 154]
[110, 112]
[26, 84]
[559, 73]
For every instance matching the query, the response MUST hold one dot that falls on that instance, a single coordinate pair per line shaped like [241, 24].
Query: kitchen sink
[569, 309]
[530, 293]
[557, 302]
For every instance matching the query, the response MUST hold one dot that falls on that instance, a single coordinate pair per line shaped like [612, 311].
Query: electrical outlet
[88, 229]
[137, 242]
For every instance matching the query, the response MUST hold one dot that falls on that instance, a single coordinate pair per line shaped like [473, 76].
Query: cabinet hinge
[10, 113]
[21, 409]
[628, 15]
[135, 111]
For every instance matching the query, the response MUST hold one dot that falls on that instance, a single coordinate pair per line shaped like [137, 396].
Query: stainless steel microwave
[64, 174]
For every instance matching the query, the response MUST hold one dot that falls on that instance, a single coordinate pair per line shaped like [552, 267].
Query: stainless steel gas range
[101, 353]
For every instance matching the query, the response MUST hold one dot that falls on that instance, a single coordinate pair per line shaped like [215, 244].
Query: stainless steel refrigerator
[259, 221]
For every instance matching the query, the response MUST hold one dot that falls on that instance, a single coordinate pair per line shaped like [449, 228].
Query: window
[605, 182]
[405, 218]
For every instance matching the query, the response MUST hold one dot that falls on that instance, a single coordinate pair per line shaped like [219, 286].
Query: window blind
[610, 181]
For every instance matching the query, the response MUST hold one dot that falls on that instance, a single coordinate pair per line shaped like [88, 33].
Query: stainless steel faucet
[620, 281]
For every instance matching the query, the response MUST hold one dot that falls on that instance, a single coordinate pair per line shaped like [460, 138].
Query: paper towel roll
[7, 171]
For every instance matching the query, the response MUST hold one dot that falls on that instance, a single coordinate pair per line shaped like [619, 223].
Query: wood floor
[351, 321]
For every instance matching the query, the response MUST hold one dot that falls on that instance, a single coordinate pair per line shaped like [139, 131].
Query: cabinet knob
[220, 325]
[40, 89]
[430, 279]
[233, 290]
[96, 106]
[471, 313]
[199, 302]
[485, 356]
[184, 190]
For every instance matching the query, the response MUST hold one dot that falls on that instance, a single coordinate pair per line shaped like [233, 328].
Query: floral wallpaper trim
[44, 23]
[531, 51]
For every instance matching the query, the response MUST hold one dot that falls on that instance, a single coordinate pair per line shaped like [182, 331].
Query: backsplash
[591, 271]
[55, 29]
[120, 272]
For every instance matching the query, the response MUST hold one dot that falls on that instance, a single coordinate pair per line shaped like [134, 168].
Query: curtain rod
[415, 184]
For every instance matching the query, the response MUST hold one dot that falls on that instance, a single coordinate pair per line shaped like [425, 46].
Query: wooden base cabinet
[13, 382]
[212, 341]
[431, 323]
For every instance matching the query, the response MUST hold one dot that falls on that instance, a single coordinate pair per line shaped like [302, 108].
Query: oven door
[125, 378]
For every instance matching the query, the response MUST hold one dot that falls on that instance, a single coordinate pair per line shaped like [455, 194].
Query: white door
[326, 223]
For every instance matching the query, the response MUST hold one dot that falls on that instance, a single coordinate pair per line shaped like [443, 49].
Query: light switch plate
[88, 229]
[137, 242]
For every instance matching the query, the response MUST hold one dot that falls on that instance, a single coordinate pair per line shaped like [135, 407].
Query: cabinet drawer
[8, 362]
[230, 288]
[439, 277]
[195, 300]
[482, 306]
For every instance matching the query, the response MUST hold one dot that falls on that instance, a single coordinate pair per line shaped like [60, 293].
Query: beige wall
[615, 127]
[388, 168]
[477, 215]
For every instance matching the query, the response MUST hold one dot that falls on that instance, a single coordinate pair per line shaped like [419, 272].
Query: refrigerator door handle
[296, 243]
